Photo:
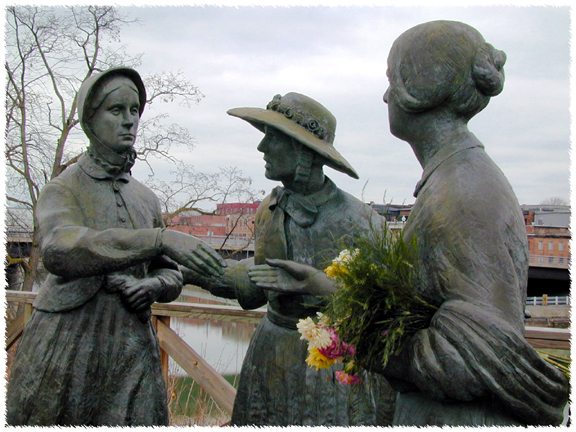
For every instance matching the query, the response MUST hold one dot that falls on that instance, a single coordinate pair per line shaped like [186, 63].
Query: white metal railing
[548, 301]
[228, 242]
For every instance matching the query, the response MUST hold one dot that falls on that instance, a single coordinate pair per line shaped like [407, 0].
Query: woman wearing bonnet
[472, 366]
[89, 354]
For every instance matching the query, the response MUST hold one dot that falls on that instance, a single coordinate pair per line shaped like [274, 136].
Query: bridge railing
[171, 344]
[546, 300]
[228, 242]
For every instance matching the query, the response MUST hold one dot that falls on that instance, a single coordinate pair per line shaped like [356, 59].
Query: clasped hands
[192, 253]
[284, 276]
[290, 277]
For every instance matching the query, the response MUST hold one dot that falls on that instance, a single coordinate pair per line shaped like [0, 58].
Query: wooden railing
[199, 370]
[171, 344]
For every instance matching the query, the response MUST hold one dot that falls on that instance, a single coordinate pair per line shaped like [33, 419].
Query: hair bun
[488, 69]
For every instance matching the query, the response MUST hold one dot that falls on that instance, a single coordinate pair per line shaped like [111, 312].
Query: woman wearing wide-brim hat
[297, 232]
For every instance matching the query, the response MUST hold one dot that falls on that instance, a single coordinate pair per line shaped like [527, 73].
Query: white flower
[317, 337]
[345, 256]
[320, 338]
[305, 327]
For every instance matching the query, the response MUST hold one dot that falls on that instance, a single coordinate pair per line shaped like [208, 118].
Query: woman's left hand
[291, 278]
[142, 294]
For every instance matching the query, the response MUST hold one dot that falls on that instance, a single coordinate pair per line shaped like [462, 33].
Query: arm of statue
[233, 283]
[475, 346]
[168, 272]
[71, 250]
[160, 285]
[192, 253]
[290, 277]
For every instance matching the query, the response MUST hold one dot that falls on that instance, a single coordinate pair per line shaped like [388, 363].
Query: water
[222, 344]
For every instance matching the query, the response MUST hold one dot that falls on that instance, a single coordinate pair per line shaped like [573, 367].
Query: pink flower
[351, 349]
[337, 349]
[345, 378]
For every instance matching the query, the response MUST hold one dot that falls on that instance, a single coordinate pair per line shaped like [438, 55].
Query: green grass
[190, 405]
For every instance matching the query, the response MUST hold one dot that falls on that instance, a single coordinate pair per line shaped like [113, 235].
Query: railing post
[27, 312]
[164, 357]
[544, 299]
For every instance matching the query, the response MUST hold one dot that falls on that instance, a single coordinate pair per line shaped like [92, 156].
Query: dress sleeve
[71, 250]
[170, 277]
[475, 345]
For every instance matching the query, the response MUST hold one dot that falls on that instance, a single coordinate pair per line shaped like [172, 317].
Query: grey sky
[337, 55]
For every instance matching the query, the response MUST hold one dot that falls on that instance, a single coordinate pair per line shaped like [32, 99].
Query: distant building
[548, 245]
[393, 212]
[199, 225]
[547, 215]
[237, 208]
[235, 220]
[548, 231]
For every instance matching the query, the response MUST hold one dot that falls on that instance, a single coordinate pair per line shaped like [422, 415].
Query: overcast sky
[337, 55]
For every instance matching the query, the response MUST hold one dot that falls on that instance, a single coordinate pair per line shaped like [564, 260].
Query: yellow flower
[318, 360]
[338, 266]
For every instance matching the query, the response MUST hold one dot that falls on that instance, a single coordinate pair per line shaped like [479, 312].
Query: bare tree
[191, 191]
[556, 201]
[49, 52]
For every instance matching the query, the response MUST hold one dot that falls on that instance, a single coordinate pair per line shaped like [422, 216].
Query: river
[222, 344]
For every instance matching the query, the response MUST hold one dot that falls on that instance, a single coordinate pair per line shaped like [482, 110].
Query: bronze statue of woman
[472, 366]
[89, 354]
[298, 231]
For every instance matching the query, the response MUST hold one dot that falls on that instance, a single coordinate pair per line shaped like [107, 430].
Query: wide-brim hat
[303, 119]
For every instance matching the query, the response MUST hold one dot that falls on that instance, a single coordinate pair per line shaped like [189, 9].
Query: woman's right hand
[192, 253]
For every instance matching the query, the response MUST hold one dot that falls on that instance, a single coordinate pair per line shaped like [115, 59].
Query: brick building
[230, 219]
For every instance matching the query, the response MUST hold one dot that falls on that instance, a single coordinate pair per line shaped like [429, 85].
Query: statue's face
[279, 155]
[115, 122]
[397, 116]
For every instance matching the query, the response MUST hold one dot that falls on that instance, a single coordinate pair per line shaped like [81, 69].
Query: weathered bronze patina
[472, 367]
[298, 227]
[89, 354]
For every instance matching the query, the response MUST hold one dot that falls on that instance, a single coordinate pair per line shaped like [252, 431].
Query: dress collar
[445, 153]
[302, 208]
[100, 170]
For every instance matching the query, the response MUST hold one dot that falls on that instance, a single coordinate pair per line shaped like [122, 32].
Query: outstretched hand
[291, 278]
[192, 253]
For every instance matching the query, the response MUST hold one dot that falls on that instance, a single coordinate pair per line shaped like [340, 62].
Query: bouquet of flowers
[374, 309]
[325, 348]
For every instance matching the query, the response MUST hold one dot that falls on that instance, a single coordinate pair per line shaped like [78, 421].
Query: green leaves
[376, 307]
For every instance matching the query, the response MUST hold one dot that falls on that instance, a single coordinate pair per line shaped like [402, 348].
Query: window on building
[540, 260]
[550, 260]
[540, 245]
[550, 246]
[561, 246]
[561, 260]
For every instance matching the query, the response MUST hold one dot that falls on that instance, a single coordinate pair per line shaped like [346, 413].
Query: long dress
[277, 387]
[472, 366]
[84, 359]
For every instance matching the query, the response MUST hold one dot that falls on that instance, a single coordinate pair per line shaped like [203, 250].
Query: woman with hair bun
[472, 366]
